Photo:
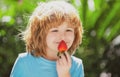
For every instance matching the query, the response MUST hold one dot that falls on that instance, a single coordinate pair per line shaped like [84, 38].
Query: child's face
[56, 34]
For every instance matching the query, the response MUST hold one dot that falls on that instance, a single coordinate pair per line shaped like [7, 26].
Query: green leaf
[2, 32]
[114, 31]
[105, 23]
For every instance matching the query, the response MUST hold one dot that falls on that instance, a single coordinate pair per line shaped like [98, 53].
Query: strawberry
[62, 47]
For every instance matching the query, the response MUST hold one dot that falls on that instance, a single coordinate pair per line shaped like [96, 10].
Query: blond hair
[46, 16]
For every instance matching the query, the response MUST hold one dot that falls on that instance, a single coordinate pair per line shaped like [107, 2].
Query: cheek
[71, 36]
[50, 38]
[70, 39]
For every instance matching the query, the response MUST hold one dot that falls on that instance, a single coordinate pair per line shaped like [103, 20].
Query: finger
[65, 55]
[57, 63]
[68, 57]
[60, 60]
[63, 58]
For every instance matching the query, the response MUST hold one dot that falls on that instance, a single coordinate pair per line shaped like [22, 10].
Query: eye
[54, 31]
[69, 30]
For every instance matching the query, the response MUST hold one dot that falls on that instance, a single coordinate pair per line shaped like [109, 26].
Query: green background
[100, 49]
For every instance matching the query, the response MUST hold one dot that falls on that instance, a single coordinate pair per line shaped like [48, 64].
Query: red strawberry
[62, 47]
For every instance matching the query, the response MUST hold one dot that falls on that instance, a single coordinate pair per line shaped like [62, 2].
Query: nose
[62, 35]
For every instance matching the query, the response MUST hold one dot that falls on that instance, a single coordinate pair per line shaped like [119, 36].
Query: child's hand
[64, 65]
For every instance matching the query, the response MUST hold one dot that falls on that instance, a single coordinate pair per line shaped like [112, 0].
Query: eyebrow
[70, 27]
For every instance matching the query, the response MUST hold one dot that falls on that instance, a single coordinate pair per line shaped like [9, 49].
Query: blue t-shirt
[27, 65]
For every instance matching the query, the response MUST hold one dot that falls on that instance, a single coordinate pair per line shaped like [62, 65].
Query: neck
[51, 56]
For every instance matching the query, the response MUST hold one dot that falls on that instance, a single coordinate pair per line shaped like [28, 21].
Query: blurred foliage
[100, 49]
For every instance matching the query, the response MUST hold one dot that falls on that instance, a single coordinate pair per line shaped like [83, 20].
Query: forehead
[64, 24]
